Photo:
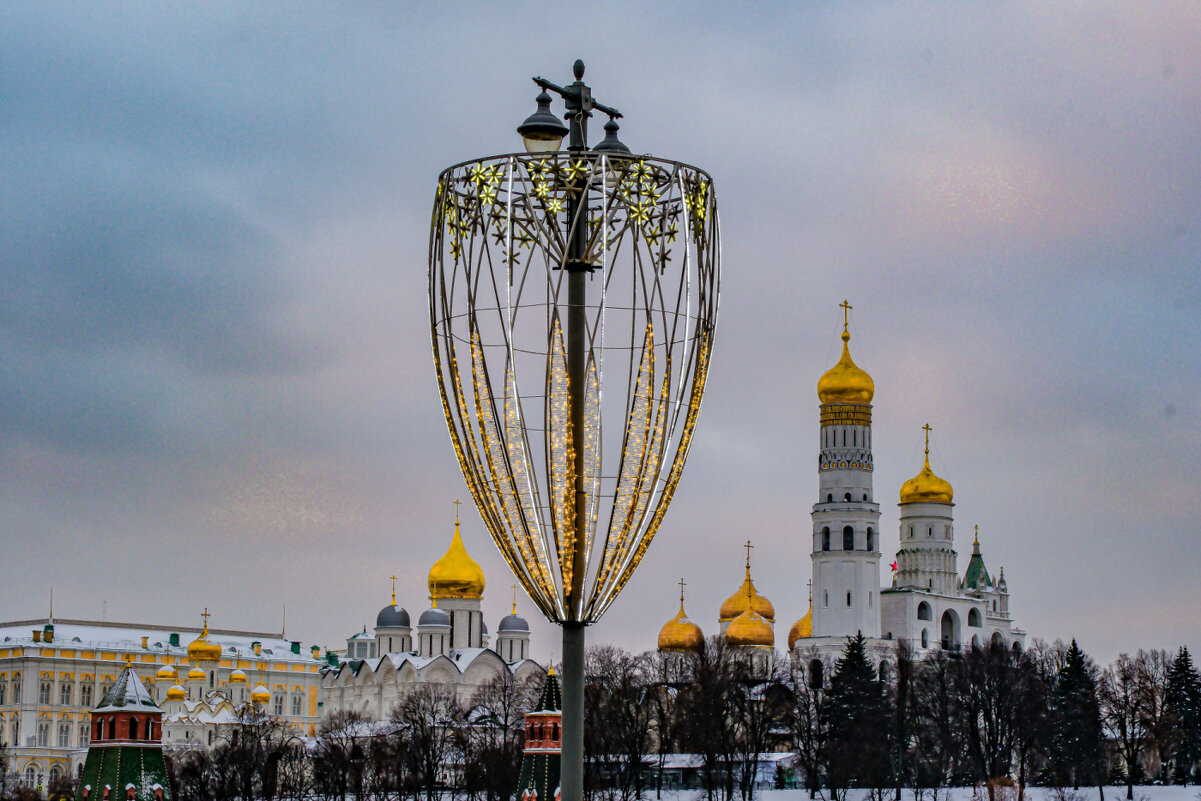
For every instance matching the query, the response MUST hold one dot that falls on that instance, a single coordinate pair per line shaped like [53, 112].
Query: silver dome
[513, 623]
[392, 617]
[433, 617]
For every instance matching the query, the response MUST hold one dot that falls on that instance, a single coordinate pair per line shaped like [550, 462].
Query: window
[279, 703]
[100, 729]
[829, 497]
[846, 496]
[848, 599]
[923, 612]
[296, 703]
[83, 735]
[931, 534]
[64, 693]
[16, 731]
[869, 600]
[826, 538]
[85, 695]
[16, 688]
[3, 688]
[865, 496]
[911, 532]
[31, 776]
[825, 599]
[64, 735]
[133, 728]
[871, 539]
[44, 692]
[43, 740]
[925, 639]
[973, 617]
[848, 539]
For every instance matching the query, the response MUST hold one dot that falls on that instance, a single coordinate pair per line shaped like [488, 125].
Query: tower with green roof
[542, 757]
[125, 757]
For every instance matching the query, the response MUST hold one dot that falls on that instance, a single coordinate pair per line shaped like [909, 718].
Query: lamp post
[573, 303]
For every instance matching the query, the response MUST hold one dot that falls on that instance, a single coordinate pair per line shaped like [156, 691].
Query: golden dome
[237, 677]
[750, 629]
[166, 673]
[456, 574]
[747, 597]
[176, 693]
[260, 695]
[200, 648]
[845, 382]
[196, 674]
[926, 487]
[802, 629]
[680, 633]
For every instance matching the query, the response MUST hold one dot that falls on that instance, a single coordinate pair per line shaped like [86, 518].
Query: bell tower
[846, 518]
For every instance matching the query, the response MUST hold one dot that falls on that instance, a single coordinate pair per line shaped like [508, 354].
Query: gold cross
[977, 542]
[927, 429]
[809, 584]
[393, 577]
[514, 599]
[205, 615]
[682, 585]
[748, 547]
[457, 504]
[846, 308]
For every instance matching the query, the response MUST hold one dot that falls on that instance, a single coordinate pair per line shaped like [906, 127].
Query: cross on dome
[846, 318]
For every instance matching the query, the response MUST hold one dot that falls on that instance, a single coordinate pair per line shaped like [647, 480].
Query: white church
[928, 604]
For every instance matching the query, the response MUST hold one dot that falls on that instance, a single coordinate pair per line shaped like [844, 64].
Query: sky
[216, 383]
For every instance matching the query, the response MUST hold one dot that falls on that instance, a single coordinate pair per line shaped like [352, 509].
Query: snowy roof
[127, 694]
[127, 638]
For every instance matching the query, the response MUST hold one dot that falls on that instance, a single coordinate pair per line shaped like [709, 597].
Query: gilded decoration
[498, 311]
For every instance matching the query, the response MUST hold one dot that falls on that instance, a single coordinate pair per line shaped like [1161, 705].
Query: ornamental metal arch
[500, 238]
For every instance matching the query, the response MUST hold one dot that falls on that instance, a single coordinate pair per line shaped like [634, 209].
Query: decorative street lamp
[573, 303]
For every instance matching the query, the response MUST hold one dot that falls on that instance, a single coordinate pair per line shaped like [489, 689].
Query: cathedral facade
[928, 604]
[450, 645]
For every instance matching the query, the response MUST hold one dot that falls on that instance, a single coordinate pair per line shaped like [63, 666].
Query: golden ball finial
[456, 574]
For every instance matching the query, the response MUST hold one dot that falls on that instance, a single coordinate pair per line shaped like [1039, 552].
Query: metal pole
[577, 101]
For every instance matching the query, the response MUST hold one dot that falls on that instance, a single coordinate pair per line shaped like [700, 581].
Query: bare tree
[428, 715]
[1123, 699]
[808, 680]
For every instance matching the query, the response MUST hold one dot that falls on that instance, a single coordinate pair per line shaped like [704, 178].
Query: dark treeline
[883, 721]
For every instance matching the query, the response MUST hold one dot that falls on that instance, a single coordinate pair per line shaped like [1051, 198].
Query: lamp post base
[572, 777]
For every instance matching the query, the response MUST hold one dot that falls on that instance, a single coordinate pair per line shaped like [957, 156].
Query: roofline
[169, 629]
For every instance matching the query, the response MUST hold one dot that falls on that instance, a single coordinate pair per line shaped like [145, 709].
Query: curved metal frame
[498, 291]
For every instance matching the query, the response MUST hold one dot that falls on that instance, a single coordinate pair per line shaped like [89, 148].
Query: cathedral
[928, 604]
[450, 644]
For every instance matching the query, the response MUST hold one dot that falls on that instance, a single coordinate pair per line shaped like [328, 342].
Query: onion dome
[392, 617]
[238, 676]
[166, 673]
[802, 629]
[196, 674]
[747, 597]
[434, 617]
[513, 622]
[456, 574]
[200, 649]
[750, 629]
[926, 487]
[680, 634]
[260, 694]
[176, 693]
[845, 382]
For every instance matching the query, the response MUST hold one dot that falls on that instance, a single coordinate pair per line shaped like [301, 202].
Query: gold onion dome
[456, 574]
[845, 382]
[196, 674]
[680, 633]
[165, 673]
[200, 648]
[802, 629]
[176, 693]
[926, 487]
[260, 695]
[238, 676]
[747, 597]
[750, 629]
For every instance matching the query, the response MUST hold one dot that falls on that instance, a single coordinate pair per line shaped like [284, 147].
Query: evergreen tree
[857, 723]
[1183, 701]
[1076, 738]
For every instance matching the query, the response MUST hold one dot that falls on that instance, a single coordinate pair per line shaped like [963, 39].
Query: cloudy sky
[216, 386]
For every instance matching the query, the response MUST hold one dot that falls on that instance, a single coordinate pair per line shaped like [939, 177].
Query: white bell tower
[846, 518]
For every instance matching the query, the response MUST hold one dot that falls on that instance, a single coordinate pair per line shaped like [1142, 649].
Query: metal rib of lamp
[573, 305]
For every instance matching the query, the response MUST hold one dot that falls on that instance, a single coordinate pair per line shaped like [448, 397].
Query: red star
[893, 566]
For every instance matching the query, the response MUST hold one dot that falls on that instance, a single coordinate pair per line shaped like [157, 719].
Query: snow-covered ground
[1141, 793]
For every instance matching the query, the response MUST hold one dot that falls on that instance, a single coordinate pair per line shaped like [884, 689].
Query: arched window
[44, 692]
[871, 539]
[973, 617]
[133, 728]
[925, 639]
[848, 539]
[826, 538]
[826, 598]
[64, 693]
[149, 732]
[83, 736]
[848, 598]
[554, 732]
[99, 729]
[31, 776]
[829, 497]
[846, 496]
[931, 534]
[64, 735]
[923, 612]
[85, 694]
[296, 704]
[911, 532]
[865, 496]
